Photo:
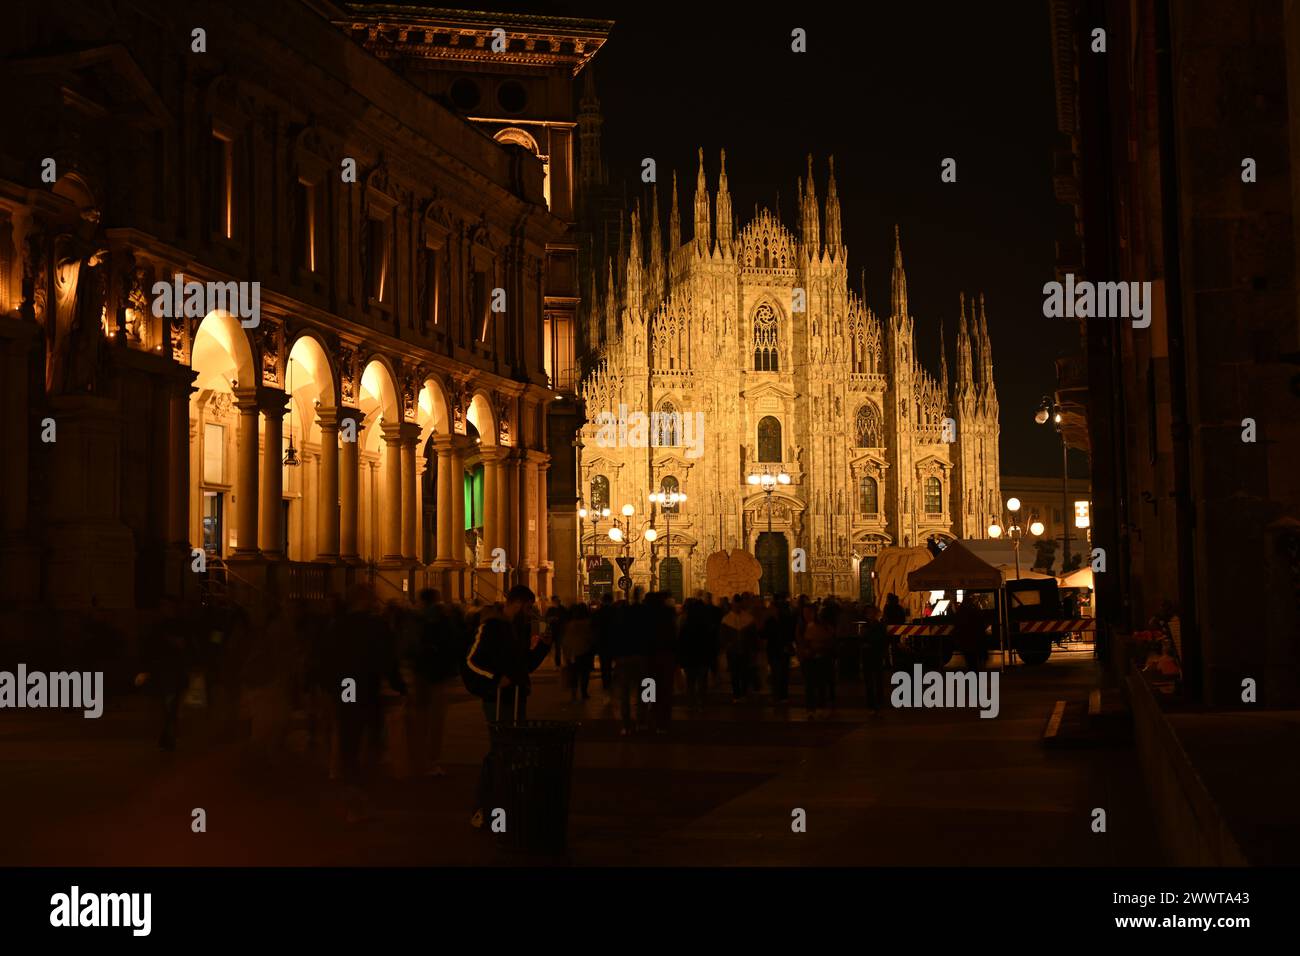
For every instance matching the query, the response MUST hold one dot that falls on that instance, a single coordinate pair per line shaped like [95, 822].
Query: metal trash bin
[532, 767]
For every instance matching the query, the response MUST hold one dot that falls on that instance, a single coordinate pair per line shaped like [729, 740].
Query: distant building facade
[748, 352]
[383, 415]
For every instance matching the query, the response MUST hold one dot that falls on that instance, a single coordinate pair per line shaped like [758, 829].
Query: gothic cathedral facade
[749, 355]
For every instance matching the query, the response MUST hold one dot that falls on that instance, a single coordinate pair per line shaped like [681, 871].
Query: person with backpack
[498, 671]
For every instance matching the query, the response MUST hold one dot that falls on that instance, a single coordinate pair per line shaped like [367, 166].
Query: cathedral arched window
[666, 426]
[769, 439]
[670, 486]
[933, 496]
[599, 493]
[867, 427]
[868, 496]
[766, 340]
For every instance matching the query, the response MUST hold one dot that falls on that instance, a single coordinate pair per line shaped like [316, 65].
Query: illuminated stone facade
[753, 331]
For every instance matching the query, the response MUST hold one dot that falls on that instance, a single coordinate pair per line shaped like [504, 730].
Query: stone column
[349, 481]
[493, 494]
[391, 508]
[327, 490]
[456, 533]
[446, 555]
[273, 404]
[246, 474]
[410, 436]
[543, 528]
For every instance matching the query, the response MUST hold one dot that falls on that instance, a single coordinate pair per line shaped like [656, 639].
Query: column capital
[449, 444]
[329, 419]
[272, 401]
[342, 413]
[540, 458]
[493, 453]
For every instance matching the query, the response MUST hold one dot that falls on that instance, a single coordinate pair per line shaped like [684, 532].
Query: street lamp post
[620, 533]
[768, 481]
[666, 501]
[583, 514]
[1009, 518]
[1050, 410]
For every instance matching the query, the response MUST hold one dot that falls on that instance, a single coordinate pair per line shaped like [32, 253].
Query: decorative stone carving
[347, 362]
[272, 343]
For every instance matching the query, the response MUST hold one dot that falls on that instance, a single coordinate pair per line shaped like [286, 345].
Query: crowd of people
[376, 679]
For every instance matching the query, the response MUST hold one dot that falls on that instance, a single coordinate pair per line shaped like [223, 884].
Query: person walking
[875, 653]
[816, 648]
[696, 651]
[737, 641]
[579, 651]
[364, 657]
[498, 671]
[778, 644]
[663, 658]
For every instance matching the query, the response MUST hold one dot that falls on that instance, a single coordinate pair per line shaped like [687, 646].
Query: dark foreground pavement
[910, 787]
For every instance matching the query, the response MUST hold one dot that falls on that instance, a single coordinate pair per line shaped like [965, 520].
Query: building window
[666, 426]
[766, 341]
[867, 427]
[480, 306]
[307, 224]
[379, 257]
[868, 496]
[669, 486]
[933, 496]
[557, 351]
[599, 493]
[223, 184]
[214, 454]
[769, 439]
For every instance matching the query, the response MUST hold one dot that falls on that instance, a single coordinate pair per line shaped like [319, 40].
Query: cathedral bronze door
[670, 576]
[773, 553]
[867, 581]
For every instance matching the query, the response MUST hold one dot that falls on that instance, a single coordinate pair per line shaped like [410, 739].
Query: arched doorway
[380, 480]
[670, 576]
[222, 359]
[867, 580]
[310, 384]
[773, 553]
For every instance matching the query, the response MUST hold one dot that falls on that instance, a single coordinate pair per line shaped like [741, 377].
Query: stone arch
[377, 398]
[222, 347]
[311, 382]
[483, 417]
[518, 137]
[433, 409]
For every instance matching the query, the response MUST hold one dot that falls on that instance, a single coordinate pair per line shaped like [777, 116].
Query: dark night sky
[889, 89]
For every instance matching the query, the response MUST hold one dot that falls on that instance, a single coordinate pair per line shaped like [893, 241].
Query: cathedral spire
[702, 237]
[964, 379]
[812, 239]
[986, 350]
[833, 241]
[657, 286]
[634, 284]
[723, 219]
[943, 362]
[674, 223]
[611, 303]
[898, 280]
